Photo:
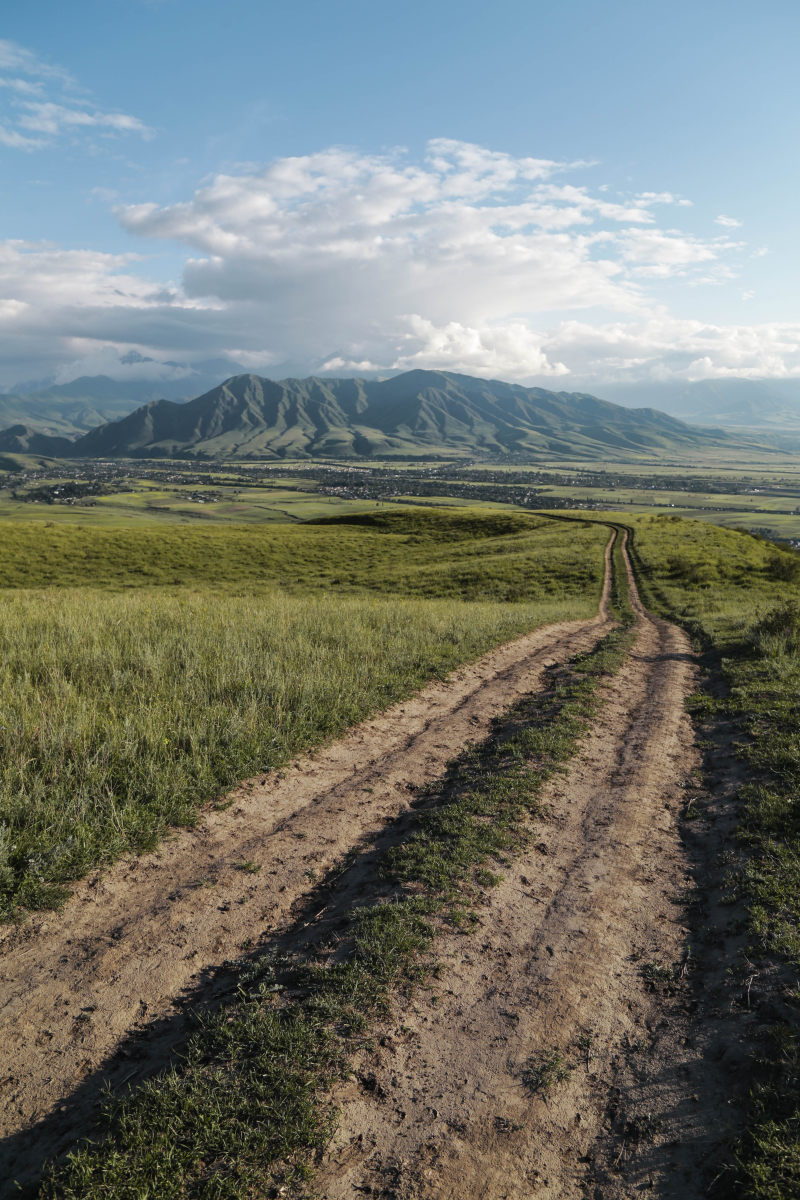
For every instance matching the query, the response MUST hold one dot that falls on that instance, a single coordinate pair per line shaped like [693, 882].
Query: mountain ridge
[414, 415]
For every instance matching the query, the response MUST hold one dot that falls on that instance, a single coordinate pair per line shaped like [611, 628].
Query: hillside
[23, 439]
[417, 414]
[70, 409]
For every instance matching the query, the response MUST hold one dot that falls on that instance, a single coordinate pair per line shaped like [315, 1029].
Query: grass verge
[245, 1111]
[738, 595]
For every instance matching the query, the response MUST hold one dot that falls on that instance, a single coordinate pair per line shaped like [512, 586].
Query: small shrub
[785, 566]
[777, 632]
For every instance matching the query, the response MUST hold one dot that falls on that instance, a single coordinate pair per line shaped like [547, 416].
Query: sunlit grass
[121, 712]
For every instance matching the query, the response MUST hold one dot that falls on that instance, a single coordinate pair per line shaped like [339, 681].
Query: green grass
[123, 711]
[245, 1111]
[487, 555]
[740, 597]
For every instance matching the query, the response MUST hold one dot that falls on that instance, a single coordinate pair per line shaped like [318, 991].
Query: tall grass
[121, 712]
[413, 552]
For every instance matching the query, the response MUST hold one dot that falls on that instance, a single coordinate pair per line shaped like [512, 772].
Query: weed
[654, 972]
[544, 1070]
[586, 1043]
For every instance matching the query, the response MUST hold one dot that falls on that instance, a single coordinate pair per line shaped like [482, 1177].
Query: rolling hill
[413, 415]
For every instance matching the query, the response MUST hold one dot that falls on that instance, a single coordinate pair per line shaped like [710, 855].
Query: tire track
[556, 968]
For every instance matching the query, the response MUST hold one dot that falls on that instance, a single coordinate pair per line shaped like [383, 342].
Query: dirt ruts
[577, 962]
[134, 939]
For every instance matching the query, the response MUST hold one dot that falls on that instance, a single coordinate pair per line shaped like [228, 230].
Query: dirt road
[134, 940]
[566, 969]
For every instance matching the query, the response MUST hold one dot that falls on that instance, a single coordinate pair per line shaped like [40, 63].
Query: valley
[763, 498]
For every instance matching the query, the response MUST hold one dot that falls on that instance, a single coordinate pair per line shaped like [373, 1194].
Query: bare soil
[583, 952]
[136, 939]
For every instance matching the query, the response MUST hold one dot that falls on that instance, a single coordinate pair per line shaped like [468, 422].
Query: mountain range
[416, 414]
[70, 409]
[767, 405]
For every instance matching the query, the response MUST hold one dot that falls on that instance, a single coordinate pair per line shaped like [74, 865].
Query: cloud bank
[468, 259]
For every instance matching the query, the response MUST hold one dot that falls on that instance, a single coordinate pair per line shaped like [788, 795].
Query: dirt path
[442, 1110]
[133, 940]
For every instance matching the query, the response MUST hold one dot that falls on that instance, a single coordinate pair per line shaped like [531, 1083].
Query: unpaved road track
[441, 1110]
[132, 941]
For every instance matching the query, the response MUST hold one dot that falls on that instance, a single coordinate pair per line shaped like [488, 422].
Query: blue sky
[562, 193]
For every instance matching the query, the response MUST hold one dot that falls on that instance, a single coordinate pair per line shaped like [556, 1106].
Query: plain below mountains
[419, 414]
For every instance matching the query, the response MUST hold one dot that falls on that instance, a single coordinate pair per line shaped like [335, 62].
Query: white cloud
[25, 86]
[53, 119]
[652, 198]
[18, 141]
[727, 222]
[511, 349]
[43, 100]
[16, 58]
[467, 259]
[662, 346]
[665, 252]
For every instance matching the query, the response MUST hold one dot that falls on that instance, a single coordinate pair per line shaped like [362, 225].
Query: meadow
[147, 670]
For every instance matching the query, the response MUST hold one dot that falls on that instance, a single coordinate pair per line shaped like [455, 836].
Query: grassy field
[741, 598]
[487, 555]
[147, 671]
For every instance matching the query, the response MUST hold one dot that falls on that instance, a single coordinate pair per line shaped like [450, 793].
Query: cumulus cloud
[512, 349]
[727, 222]
[62, 306]
[663, 346]
[467, 259]
[43, 100]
